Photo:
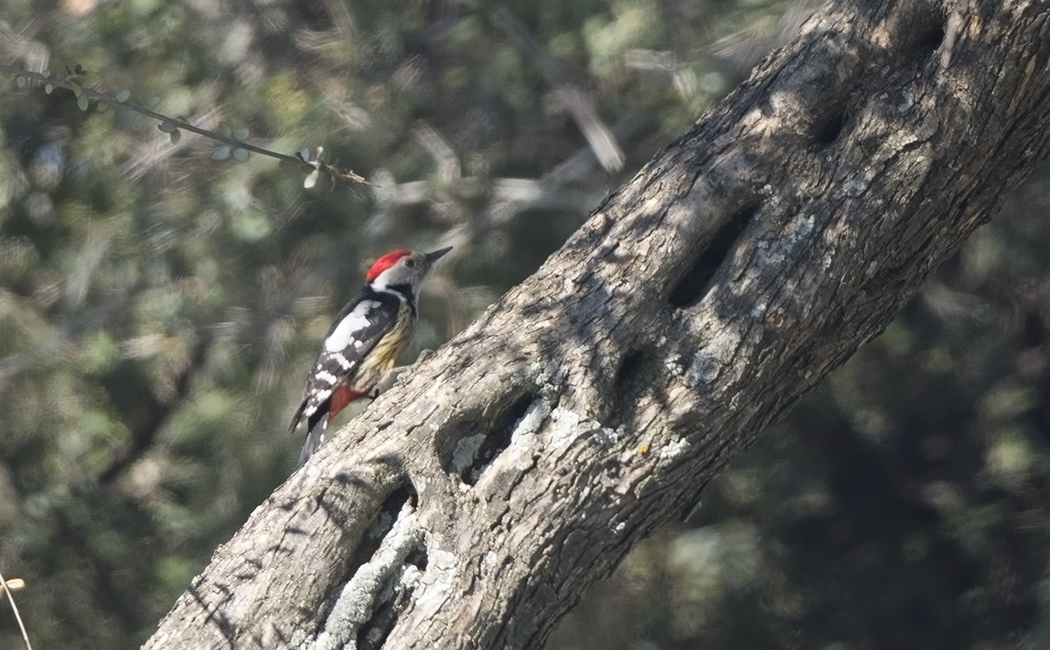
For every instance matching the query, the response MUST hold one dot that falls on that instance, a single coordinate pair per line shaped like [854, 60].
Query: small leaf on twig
[222, 153]
[14, 584]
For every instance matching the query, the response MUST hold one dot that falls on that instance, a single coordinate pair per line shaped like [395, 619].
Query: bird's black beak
[434, 256]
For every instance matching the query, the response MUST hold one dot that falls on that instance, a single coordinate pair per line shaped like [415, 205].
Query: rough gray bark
[472, 505]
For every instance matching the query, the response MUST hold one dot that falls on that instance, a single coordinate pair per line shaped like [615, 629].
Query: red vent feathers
[384, 263]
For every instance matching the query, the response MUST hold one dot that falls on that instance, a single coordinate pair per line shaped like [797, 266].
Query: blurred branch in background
[735, 54]
[573, 99]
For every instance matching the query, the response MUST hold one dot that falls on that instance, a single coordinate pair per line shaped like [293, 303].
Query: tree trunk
[473, 504]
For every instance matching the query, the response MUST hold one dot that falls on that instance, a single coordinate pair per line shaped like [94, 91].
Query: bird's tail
[313, 440]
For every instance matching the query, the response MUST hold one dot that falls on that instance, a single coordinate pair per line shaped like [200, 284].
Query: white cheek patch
[396, 274]
[382, 281]
[356, 320]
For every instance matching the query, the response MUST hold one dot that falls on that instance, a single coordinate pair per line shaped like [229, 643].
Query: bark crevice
[696, 282]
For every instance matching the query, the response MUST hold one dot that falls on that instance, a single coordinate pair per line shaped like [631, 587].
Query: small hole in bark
[397, 595]
[694, 285]
[629, 368]
[373, 634]
[381, 524]
[828, 128]
[496, 441]
[628, 378]
[928, 35]
[932, 38]
[417, 558]
[482, 440]
[920, 32]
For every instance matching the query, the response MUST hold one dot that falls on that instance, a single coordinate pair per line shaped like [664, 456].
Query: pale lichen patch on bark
[530, 423]
[674, 449]
[465, 452]
[709, 360]
[436, 584]
[605, 436]
[565, 429]
[907, 102]
[386, 570]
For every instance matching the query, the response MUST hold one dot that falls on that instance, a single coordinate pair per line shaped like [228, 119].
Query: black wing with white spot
[354, 333]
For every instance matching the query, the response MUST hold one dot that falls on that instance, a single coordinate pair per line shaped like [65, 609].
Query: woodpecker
[364, 342]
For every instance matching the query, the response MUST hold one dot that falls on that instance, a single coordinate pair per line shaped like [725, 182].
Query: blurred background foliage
[159, 311]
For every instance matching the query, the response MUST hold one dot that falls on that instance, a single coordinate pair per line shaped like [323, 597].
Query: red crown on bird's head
[384, 263]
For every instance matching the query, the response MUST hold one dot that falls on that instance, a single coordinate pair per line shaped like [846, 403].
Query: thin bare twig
[183, 123]
[7, 587]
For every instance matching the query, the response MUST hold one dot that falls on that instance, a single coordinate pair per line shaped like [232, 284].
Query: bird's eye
[409, 262]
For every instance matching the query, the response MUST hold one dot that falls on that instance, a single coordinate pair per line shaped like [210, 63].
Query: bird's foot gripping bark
[388, 380]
